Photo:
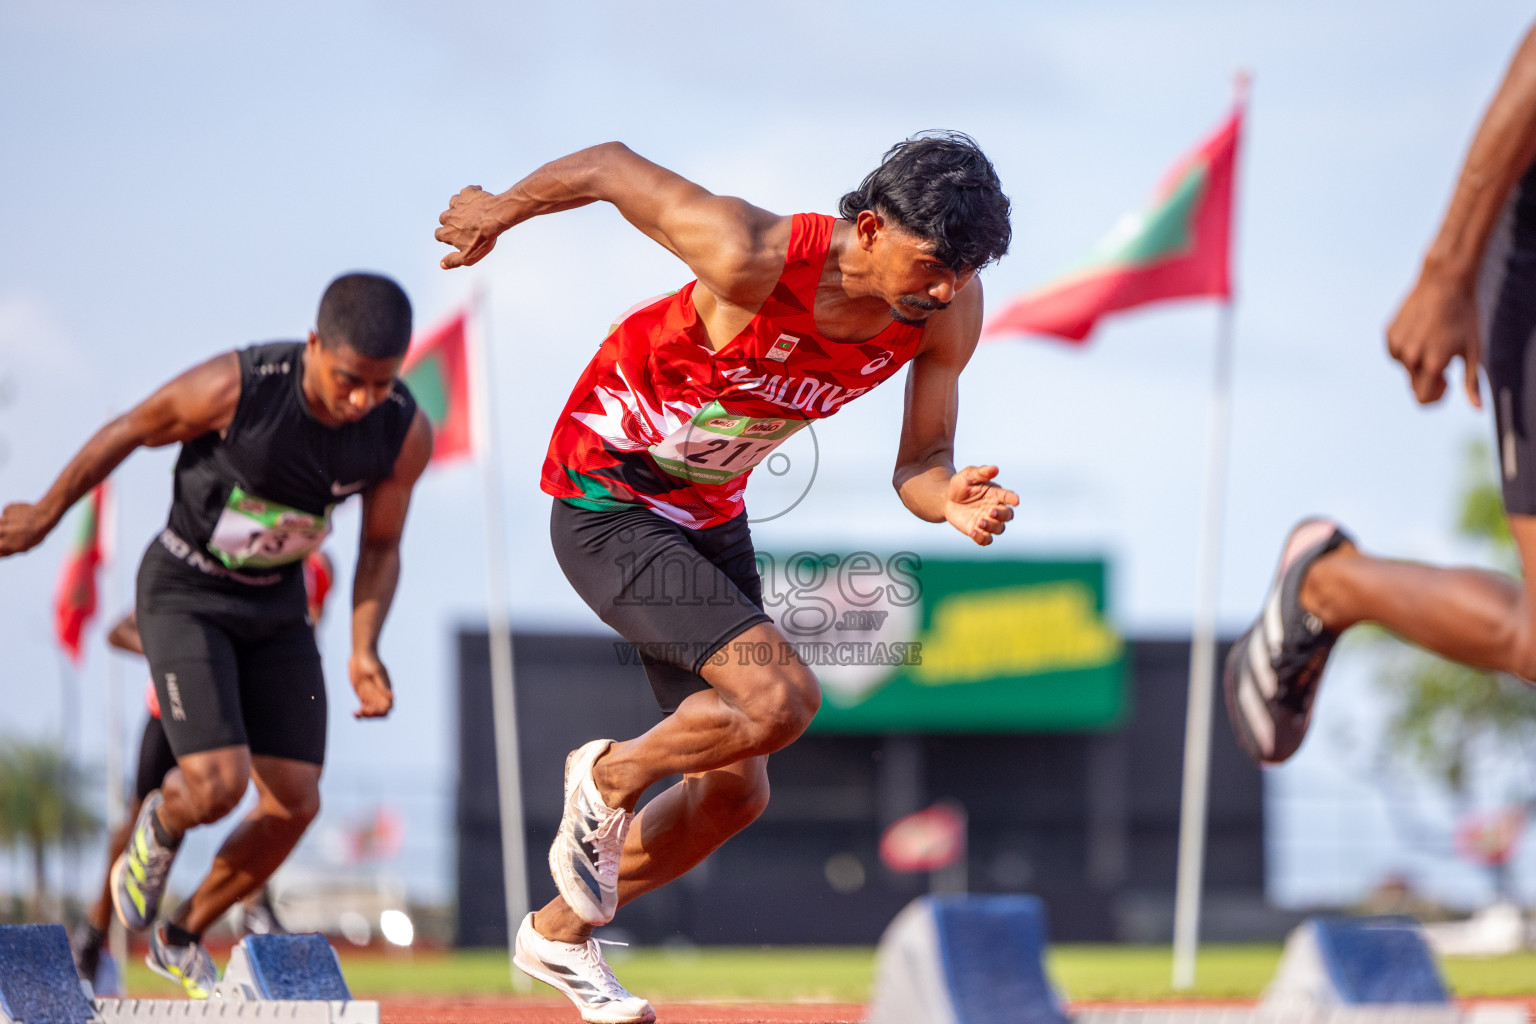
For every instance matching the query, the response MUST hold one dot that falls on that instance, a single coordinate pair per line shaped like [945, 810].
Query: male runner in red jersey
[789, 318]
[1475, 293]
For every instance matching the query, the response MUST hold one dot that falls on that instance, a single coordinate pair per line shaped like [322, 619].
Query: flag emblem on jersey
[781, 349]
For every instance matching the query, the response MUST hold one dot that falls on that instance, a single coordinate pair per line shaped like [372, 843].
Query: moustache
[926, 304]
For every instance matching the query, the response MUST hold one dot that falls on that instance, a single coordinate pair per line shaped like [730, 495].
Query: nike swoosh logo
[343, 490]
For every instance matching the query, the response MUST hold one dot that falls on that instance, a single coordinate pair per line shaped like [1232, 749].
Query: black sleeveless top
[249, 504]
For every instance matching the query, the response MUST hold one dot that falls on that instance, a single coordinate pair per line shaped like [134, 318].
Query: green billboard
[903, 643]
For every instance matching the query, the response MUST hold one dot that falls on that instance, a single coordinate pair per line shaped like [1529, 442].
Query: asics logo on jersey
[876, 363]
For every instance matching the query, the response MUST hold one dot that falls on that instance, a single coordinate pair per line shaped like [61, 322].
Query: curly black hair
[941, 187]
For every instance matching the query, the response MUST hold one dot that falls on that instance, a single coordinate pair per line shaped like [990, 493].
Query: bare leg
[1472, 616]
[674, 832]
[750, 710]
[719, 739]
[288, 798]
[203, 787]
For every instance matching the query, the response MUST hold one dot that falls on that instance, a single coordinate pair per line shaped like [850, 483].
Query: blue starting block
[284, 967]
[1359, 961]
[965, 960]
[295, 979]
[38, 984]
[980, 960]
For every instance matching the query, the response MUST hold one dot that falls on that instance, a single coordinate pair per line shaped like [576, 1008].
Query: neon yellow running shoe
[138, 876]
[190, 965]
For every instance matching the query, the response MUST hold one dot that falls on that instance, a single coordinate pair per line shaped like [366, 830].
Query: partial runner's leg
[282, 707]
[203, 788]
[672, 834]
[1472, 616]
[288, 798]
[750, 710]
[691, 602]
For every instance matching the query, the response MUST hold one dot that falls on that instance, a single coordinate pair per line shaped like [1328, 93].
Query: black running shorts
[226, 679]
[678, 595]
[1506, 295]
[155, 759]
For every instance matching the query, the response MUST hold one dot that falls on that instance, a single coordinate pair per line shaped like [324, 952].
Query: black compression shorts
[233, 677]
[155, 759]
[1506, 294]
[678, 595]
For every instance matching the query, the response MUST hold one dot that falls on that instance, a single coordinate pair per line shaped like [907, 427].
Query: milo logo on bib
[254, 533]
[716, 446]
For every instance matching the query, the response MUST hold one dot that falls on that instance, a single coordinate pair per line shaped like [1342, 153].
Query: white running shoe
[579, 972]
[584, 857]
[188, 965]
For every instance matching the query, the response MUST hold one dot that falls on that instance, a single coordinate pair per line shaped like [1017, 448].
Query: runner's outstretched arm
[728, 243]
[199, 400]
[378, 569]
[1438, 321]
[925, 475]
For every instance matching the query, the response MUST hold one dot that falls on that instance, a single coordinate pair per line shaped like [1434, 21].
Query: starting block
[1331, 963]
[980, 960]
[38, 984]
[302, 967]
[965, 960]
[292, 978]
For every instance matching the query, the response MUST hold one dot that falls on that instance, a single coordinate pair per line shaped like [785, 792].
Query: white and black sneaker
[1273, 670]
[189, 965]
[584, 857]
[579, 972]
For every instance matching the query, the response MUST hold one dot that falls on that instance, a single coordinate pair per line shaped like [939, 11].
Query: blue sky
[184, 178]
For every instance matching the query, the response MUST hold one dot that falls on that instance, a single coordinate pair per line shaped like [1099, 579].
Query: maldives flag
[925, 840]
[1179, 247]
[74, 597]
[436, 369]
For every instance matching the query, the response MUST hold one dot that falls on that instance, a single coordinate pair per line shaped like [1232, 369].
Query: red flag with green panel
[436, 369]
[1179, 247]
[74, 596]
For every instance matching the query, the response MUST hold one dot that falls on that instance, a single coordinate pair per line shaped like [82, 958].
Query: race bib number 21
[716, 446]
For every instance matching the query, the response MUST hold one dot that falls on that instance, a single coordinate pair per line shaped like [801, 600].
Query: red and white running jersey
[659, 419]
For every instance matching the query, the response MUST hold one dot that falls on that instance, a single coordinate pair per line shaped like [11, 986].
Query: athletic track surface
[539, 1011]
[492, 1010]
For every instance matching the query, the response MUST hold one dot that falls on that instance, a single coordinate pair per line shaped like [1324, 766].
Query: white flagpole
[509, 786]
[1202, 672]
[111, 611]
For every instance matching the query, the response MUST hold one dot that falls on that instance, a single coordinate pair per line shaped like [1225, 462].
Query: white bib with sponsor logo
[254, 533]
[716, 445]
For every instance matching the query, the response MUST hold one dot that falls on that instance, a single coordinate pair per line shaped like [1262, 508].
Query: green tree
[43, 804]
[1448, 719]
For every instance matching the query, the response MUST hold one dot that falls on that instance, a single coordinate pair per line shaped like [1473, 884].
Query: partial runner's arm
[925, 475]
[734, 248]
[378, 569]
[1438, 321]
[125, 635]
[200, 400]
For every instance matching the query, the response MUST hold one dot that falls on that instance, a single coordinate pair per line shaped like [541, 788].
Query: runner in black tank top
[273, 438]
